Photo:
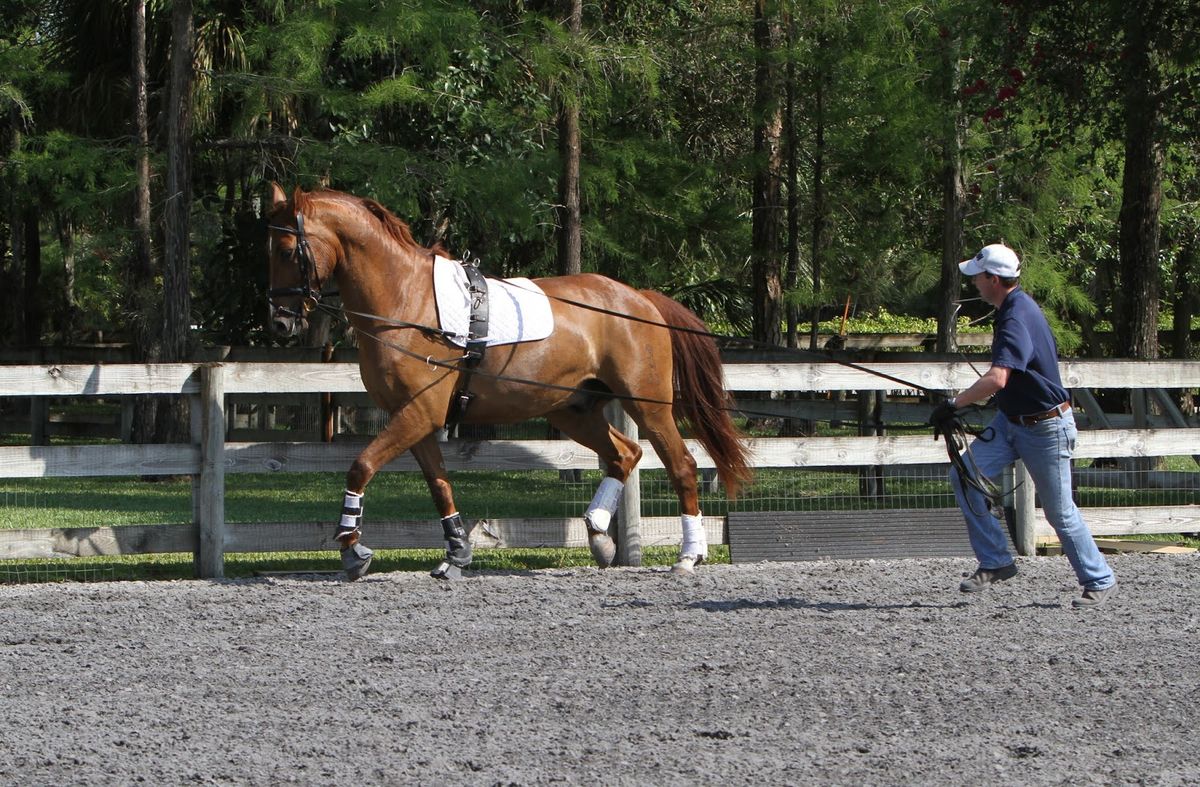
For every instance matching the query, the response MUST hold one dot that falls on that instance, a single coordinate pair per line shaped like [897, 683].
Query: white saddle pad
[518, 310]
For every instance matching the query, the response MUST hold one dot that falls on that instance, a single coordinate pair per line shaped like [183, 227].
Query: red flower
[978, 86]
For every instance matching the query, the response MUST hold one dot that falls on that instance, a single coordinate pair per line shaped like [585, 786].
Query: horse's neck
[379, 277]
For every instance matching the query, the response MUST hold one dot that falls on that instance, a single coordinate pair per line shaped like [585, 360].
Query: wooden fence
[210, 455]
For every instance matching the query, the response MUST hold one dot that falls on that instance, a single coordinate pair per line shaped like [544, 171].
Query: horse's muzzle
[287, 323]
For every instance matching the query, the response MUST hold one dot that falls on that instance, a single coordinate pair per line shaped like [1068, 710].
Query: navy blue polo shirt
[1023, 344]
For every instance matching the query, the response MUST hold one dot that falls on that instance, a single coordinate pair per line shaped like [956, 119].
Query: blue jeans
[1046, 449]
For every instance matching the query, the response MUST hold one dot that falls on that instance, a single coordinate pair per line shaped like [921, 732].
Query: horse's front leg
[458, 540]
[397, 436]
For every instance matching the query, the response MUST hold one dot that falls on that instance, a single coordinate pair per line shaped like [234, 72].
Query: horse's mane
[395, 228]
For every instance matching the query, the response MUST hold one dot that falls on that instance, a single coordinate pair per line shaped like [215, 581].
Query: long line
[683, 329]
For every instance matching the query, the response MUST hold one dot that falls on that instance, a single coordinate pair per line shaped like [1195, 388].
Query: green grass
[280, 497]
[238, 566]
[290, 497]
[316, 497]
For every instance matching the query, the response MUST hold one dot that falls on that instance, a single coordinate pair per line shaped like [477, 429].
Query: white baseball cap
[995, 258]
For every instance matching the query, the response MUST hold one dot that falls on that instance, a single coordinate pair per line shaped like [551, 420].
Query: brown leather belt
[1036, 418]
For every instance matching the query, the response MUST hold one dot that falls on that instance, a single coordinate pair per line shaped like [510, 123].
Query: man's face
[990, 288]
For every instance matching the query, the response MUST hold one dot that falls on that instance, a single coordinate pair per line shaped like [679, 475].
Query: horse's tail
[700, 396]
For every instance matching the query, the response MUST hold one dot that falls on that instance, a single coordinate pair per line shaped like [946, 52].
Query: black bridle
[310, 287]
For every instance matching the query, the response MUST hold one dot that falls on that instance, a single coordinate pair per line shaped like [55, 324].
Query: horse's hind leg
[619, 454]
[658, 426]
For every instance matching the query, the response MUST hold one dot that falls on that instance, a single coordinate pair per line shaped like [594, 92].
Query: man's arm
[992, 381]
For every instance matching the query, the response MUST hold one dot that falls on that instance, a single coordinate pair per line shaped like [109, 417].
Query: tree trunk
[177, 296]
[766, 267]
[570, 230]
[7, 263]
[1186, 297]
[1141, 200]
[65, 229]
[953, 200]
[819, 211]
[141, 297]
[31, 260]
[12, 316]
[791, 274]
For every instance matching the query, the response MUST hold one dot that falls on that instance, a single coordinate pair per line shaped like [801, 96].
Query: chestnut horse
[609, 342]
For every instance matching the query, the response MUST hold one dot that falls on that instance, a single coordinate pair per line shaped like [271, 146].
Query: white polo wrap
[351, 511]
[608, 496]
[695, 542]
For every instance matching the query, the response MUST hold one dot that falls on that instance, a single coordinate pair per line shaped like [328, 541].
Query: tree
[570, 237]
[1129, 72]
[21, 65]
[767, 196]
[953, 192]
[177, 339]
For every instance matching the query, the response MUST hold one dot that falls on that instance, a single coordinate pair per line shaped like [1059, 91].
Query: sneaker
[1094, 598]
[984, 578]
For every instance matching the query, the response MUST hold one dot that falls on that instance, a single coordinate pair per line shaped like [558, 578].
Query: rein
[955, 432]
[453, 364]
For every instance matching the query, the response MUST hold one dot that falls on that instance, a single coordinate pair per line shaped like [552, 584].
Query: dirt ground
[801, 673]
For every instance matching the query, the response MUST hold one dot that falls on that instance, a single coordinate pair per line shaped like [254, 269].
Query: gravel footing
[876, 672]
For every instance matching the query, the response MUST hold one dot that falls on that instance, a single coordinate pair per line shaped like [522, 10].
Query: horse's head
[313, 234]
[299, 261]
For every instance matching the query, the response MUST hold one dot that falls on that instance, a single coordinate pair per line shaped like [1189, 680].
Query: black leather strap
[477, 290]
[477, 333]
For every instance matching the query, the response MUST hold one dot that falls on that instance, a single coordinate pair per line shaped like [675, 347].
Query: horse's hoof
[604, 549]
[686, 565]
[447, 571]
[356, 558]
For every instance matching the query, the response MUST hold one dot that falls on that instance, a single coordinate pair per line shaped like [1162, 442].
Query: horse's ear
[278, 198]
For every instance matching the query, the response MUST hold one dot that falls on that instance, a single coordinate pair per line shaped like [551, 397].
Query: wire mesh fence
[290, 497]
[41, 572]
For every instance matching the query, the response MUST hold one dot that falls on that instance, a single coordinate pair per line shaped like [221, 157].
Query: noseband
[310, 289]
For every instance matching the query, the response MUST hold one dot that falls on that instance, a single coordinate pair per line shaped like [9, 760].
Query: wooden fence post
[209, 495]
[629, 512]
[1023, 505]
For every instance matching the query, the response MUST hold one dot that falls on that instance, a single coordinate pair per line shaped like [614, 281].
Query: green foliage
[445, 111]
[883, 321]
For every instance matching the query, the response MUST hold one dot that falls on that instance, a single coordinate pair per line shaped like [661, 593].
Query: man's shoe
[1094, 598]
[984, 578]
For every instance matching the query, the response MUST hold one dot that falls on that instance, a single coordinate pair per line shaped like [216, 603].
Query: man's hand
[943, 413]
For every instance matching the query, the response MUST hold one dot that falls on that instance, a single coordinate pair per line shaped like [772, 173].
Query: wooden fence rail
[210, 456]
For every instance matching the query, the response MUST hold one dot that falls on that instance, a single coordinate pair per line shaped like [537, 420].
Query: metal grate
[847, 535]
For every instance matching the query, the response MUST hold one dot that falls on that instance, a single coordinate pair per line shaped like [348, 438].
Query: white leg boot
[695, 545]
[598, 516]
[356, 558]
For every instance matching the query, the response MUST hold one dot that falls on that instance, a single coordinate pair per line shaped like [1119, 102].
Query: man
[1034, 424]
